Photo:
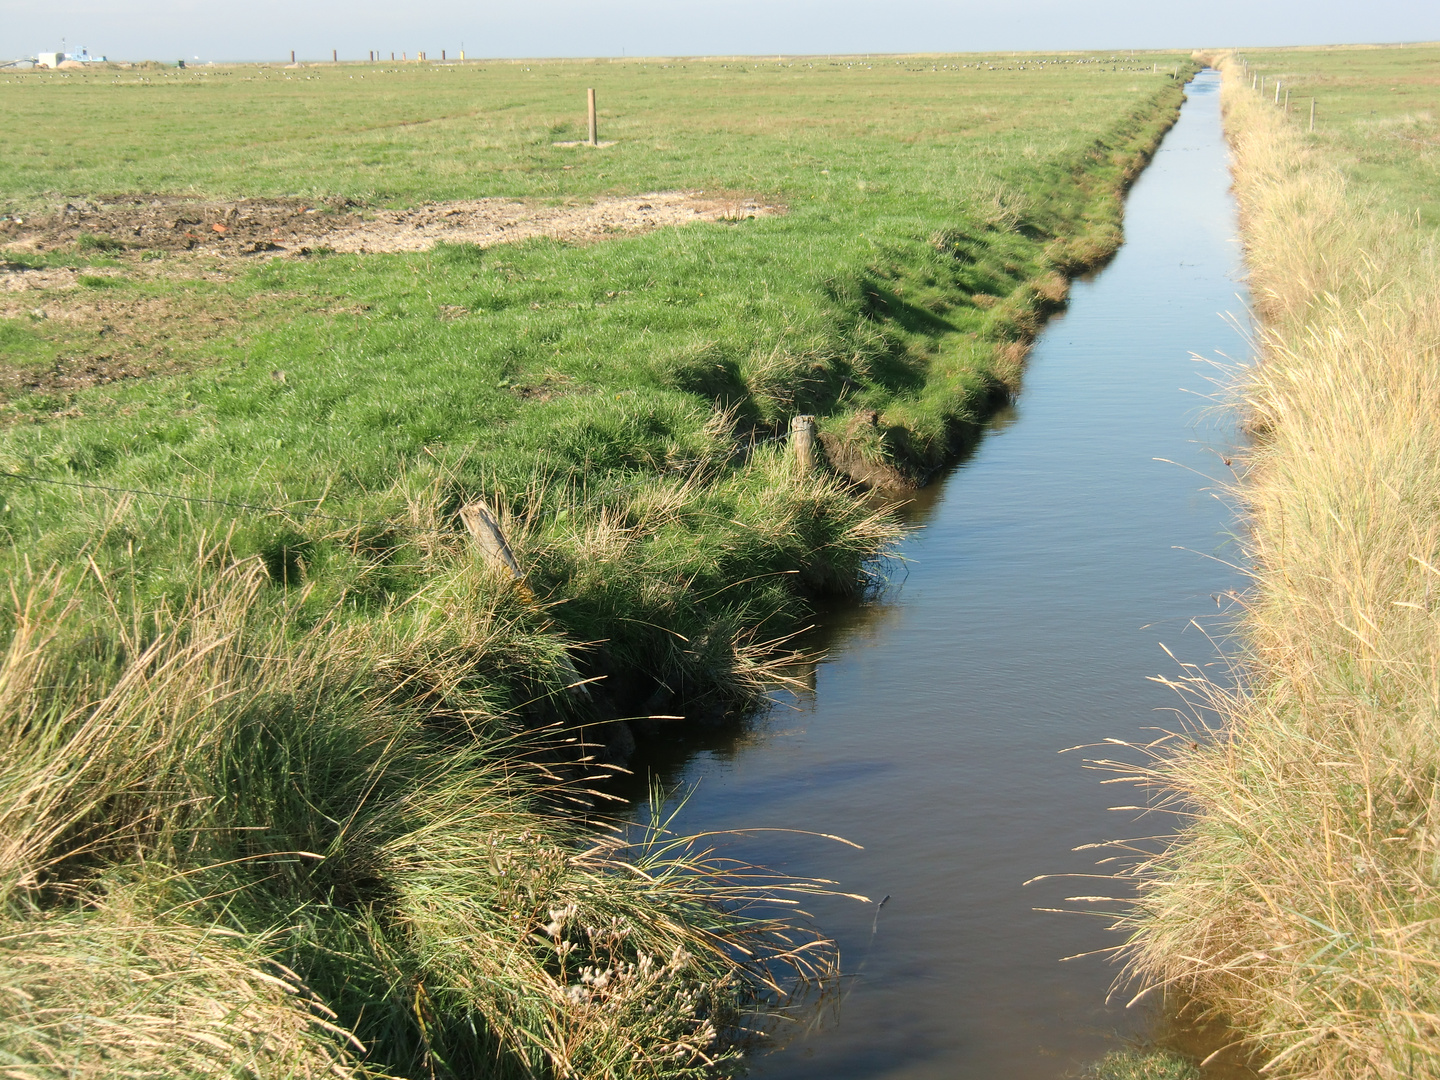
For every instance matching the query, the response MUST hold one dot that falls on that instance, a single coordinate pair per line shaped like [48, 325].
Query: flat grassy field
[933, 207]
[1377, 115]
[264, 704]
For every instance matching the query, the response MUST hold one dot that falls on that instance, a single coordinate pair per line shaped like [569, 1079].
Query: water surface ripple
[1051, 567]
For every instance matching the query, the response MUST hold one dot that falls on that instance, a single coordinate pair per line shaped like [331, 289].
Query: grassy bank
[595, 393]
[1299, 903]
[270, 721]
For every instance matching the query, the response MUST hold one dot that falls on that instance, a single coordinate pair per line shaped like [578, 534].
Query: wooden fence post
[484, 529]
[594, 125]
[1312, 114]
[480, 522]
[802, 442]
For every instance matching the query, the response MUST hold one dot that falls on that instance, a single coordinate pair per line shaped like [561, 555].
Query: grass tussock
[1141, 1065]
[230, 848]
[1301, 899]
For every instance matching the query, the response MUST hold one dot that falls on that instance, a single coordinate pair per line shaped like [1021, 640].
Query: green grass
[286, 719]
[1142, 1065]
[911, 191]
[408, 133]
[1377, 116]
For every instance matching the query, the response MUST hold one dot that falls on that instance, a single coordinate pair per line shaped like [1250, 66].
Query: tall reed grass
[1301, 899]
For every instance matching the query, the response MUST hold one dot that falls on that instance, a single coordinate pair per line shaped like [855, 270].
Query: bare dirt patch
[105, 338]
[73, 373]
[23, 278]
[293, 226]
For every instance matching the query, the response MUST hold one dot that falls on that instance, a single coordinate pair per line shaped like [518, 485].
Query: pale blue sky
[269, 29]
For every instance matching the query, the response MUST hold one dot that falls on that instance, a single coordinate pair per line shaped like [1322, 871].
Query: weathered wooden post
[802, 442]
[484, 530]
[1312, 114]
[334, 56]
[1277, 91]
[594, 125]
[1287, 101]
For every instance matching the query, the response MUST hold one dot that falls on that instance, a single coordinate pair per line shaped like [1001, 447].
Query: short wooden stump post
[802, 442]
[484, 529]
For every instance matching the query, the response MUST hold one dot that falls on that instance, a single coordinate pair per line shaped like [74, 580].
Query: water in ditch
[1082, 535]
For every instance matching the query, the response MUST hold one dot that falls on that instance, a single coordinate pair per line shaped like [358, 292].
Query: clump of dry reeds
[1301, 901]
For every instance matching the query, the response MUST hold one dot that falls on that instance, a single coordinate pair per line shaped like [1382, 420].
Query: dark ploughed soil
[176, 223]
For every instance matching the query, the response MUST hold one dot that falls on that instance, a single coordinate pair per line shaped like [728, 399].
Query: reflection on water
[1027, 617]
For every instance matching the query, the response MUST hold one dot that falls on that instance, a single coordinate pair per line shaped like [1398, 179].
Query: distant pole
[392, 57]
[1312, 114]
[594, 126]
[372, 56]
[334, 56]
[442, 54]
[292, 56]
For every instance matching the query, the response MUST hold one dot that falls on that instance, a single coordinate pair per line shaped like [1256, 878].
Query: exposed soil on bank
[294, 226]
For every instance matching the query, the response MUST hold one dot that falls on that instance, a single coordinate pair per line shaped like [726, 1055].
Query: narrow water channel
[1028, 617]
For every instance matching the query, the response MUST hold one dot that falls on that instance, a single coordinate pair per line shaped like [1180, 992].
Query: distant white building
[55, 59]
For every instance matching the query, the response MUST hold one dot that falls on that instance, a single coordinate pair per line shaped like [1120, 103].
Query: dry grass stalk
[1301, 900]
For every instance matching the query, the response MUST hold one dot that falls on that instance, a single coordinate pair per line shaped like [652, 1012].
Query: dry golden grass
[122, 992]
[1301, 900]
